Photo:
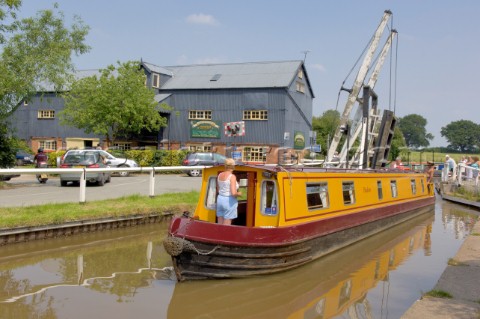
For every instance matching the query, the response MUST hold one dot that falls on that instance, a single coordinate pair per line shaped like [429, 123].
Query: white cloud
[200, 18]
[318, 67]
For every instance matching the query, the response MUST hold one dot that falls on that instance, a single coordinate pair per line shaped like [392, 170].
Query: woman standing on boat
[227, 202]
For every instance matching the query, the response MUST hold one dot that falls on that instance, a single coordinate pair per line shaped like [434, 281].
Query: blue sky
[438, 44]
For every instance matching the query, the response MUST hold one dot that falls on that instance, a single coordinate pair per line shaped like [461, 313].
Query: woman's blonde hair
[229, 163]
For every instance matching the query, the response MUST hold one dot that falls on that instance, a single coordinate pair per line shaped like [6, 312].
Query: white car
[112, 161]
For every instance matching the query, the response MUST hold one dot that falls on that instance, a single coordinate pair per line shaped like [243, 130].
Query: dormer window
[156, 80]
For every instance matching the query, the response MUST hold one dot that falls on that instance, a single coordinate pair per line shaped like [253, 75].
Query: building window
[269, 198]
[414, 186]
[300, 87]
[300, 74]
[121, 146]
[199, 115]
[254, 154]
[317, 196]
[46, 114]
[348, 193]
[393, 187]
[199, 148]
[48, 145]
[155, 80]
[380, 190]
[255, 115]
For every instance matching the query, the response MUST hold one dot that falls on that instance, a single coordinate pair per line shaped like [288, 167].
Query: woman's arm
[233, 186]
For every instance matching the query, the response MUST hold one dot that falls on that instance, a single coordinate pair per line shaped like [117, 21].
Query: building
[257, 112]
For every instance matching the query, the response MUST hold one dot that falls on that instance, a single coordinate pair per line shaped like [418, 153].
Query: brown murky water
[125, 274]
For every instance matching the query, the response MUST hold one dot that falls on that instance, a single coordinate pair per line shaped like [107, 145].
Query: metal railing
[82, 172]
[462, 174]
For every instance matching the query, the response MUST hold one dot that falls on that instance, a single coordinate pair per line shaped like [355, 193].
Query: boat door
[246, 202]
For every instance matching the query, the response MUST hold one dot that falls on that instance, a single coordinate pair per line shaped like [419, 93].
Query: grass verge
[125, 206]
[439, 294]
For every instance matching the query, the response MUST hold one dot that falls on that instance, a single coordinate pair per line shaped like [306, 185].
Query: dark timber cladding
[273, 99]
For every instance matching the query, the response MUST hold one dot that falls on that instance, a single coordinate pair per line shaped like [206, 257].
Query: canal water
[127, 274]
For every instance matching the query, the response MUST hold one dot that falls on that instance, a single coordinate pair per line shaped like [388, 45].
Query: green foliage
[7, 148]
[414, 132]
[114, 103]
[398, 145]
[463, 135]
[35, 53]
[325, 127]
[439, 294]
[52, 157]
[143, 158]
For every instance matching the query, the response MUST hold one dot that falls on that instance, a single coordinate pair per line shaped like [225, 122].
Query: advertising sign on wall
[206, 129]
[299, 140]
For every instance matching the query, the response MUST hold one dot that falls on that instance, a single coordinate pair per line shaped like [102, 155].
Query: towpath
[461, 279]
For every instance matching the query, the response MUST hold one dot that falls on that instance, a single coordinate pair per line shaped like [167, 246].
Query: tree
[398, 143]
[325, 127]
[33, 52]
[463, 135]
[414, 132]
[114, 103]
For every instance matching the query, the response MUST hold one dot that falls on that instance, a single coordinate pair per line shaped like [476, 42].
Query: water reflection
[122, 274]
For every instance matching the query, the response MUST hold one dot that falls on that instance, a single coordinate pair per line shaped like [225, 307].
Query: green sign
[208, 129]
[299, 140]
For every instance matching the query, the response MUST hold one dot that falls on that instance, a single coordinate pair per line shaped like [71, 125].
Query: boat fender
[175, 245]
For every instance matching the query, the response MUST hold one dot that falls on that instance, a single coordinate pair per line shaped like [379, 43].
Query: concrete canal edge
[461, 279]
[24, 234]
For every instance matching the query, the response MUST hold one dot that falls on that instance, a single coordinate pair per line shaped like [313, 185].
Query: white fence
[83, 171]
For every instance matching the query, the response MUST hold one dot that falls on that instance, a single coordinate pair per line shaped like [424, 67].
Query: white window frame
[122, 146]
[48, 144]
[254, 154]
[155, 80]
[413, 185]
[255, 115]
[199, 114]
[272, 210]
[300, 74]
[379, 190]
[211, 196]
[46, 114]
[320, 189]
[348, 190]
[394, 188]
[300, 87]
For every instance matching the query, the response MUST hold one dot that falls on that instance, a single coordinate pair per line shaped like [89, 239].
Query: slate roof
[233, 75]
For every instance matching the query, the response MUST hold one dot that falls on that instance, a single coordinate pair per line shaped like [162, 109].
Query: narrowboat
[290, 216]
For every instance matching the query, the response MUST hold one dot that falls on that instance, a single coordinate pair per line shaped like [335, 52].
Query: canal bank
[460, 280]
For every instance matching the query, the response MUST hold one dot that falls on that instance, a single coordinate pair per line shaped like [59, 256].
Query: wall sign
[208, 129]
[299, 140]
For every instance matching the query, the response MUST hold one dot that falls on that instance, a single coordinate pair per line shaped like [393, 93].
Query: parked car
[84, 159]
[113, 161]
[24, 157]
[202, 159]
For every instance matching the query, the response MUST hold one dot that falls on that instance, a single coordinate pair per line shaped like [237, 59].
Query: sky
[434, 70]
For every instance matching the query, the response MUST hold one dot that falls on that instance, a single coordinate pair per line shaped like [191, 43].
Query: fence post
[152, 183]
[83, 186]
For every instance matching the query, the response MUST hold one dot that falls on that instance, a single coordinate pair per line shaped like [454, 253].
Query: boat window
[211, 198]
[414, 186]
[269, 202]
[423, 186]
[393, 187]
[380, 190]
[348, 193]
[317, 196]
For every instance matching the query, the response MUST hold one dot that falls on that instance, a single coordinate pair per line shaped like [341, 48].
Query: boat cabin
[276, 196]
